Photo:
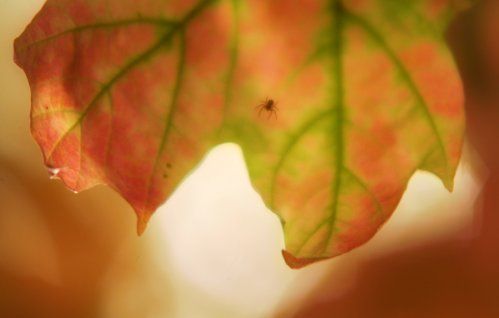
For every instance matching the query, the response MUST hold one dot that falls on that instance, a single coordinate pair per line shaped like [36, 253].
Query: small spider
[270, 106]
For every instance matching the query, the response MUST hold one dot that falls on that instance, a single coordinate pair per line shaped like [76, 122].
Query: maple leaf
[132, 94]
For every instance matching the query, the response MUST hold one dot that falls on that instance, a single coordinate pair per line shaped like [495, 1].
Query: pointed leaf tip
[297, 263]
[142, 221]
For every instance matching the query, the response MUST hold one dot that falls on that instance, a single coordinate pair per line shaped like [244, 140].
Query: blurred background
[219, 255]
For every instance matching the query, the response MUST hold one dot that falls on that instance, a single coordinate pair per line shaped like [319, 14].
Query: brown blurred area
[457, 275]
[62, 255]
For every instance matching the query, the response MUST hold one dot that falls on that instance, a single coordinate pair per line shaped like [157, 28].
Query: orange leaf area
[132, 94]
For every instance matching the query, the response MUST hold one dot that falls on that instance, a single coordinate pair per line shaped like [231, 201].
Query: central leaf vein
[337, 133]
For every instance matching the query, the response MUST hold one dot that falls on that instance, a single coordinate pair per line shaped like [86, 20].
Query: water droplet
[53, 172]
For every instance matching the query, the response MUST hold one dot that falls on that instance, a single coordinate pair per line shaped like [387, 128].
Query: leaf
[133, 93]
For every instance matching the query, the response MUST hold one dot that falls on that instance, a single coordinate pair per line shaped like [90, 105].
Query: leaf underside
[132, 94]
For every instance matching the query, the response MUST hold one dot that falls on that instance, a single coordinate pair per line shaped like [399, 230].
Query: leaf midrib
[339, 106]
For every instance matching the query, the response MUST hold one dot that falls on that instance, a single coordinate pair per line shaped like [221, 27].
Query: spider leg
[260, 111]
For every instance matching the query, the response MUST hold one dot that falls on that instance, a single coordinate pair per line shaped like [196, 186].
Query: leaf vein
[406, 76]
[171, 113]
[338, 133]
[131, 65]
[293, 141]
[102, 25]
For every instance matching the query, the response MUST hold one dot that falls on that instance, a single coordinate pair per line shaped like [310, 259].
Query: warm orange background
[214, 250]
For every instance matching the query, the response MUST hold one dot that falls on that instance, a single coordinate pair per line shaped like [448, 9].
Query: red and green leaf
[133, 93]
